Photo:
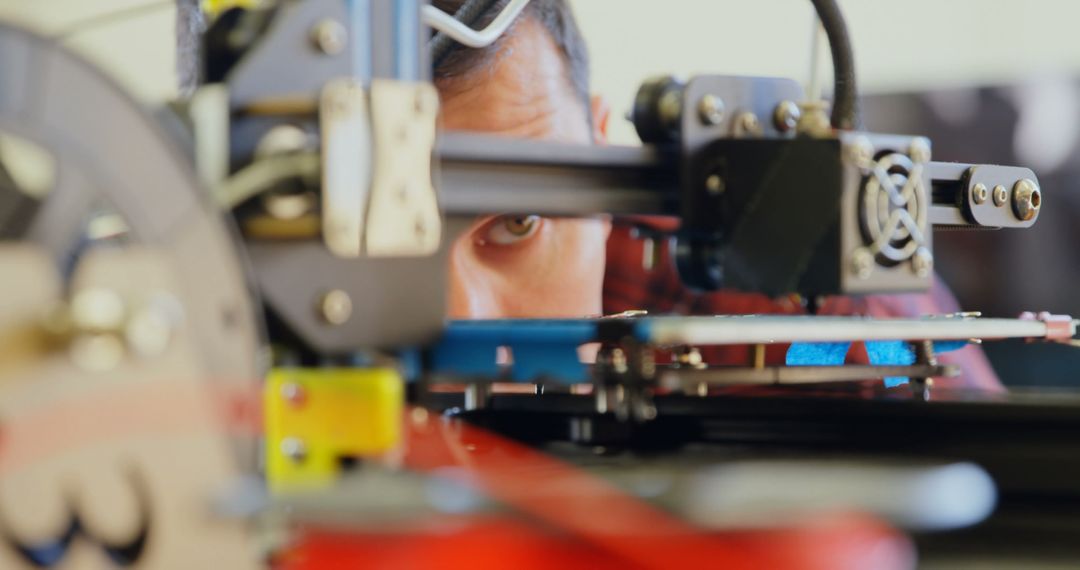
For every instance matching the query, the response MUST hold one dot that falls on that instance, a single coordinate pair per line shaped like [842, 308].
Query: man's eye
[512, 229]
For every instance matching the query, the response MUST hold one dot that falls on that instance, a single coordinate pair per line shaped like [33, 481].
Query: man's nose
[473, 290]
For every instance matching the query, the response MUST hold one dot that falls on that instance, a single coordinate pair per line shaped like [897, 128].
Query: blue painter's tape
[542, 348]
[891, 353]
[816, 353]
[942, 346]
[880, 353]
[466, 358]
[509, 331]
[551, 361]
[643, 330]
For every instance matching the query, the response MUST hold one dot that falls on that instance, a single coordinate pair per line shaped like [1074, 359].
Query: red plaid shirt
[629, 286]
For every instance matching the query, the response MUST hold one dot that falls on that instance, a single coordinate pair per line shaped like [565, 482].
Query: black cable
[471, 11]
[845, 112]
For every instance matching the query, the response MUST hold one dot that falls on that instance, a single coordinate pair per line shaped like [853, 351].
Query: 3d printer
[308, 177]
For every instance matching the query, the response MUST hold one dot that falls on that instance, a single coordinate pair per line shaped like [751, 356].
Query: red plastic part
[480, 543]
[572, 519]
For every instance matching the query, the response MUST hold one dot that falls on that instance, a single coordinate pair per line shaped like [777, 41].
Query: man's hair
[555, 16]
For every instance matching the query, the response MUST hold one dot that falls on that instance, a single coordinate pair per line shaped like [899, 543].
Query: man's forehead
[523, 89]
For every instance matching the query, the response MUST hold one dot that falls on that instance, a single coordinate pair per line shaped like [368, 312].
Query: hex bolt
[1027, 199]
[329, 37]
[335, 307]
[711, 110]
[814, 120]
[714, 184]
[786, 116]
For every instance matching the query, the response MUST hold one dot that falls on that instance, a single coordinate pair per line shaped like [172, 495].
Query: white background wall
[900, 44]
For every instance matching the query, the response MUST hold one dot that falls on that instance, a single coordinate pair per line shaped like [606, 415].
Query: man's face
[519, 265]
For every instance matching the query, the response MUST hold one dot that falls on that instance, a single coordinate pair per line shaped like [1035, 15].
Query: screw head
[293, 393]
[329, 37]
[862, 263]
[747, 124]
[335, 307]
[714, 184]
[294, 448]
[860, 152]
[1027, 199]
[922, 262]
[690, 356]
[979, 193]
[920, 150]
[711, 110]
[814, 121]
[786, 116]
[1001, 195]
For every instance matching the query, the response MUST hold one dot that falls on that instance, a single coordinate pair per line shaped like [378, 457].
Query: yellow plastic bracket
[214, 8]
[316, 418]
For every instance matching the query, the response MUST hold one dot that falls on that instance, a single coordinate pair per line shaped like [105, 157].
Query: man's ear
[601, 114]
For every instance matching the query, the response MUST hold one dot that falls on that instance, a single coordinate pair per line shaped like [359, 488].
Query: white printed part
[346, 165]
[767, 329]
[403, 213]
